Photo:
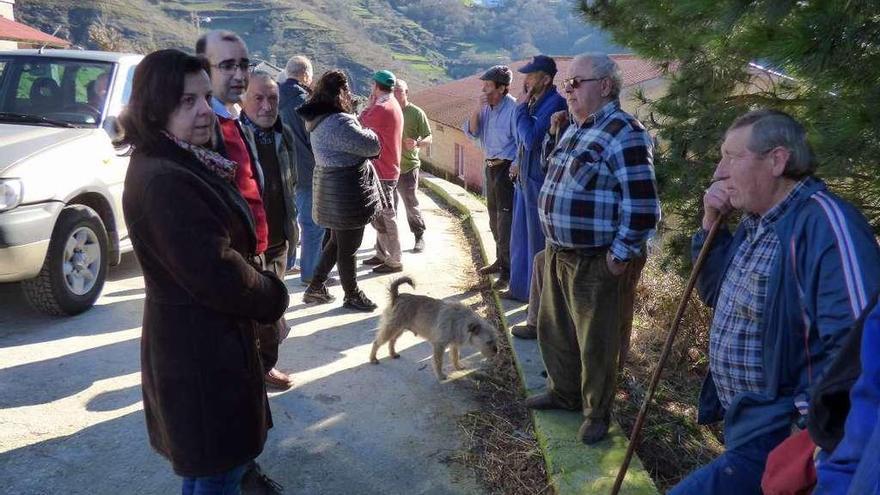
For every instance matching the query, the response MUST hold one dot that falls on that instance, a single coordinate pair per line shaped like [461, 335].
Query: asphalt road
[71, 416]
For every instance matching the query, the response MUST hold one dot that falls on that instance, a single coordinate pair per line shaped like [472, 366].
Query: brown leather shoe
[546, 401]
[528, 332]
[490, 269]
[593, 430]
[375, 260]
[276, 378]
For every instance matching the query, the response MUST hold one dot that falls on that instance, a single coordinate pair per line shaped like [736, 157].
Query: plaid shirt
[600, 188]
[735, 340]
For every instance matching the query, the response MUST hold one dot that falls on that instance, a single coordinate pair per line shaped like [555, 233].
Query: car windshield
[53, 91]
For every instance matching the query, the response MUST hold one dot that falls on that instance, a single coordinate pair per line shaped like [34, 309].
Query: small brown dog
[441, 323]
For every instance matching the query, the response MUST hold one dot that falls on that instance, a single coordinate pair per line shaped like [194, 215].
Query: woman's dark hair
[329, 91]
[155, 94]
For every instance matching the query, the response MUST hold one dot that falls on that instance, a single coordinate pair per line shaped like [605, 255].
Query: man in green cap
[384, 116]
[416, 134]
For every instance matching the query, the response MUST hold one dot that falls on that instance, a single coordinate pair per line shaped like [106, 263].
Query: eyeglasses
[229, 66]
[575, 82]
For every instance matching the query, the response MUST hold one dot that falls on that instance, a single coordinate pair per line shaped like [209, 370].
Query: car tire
[75, 268]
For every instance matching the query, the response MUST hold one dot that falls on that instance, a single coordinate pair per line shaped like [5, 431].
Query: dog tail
[393, 289]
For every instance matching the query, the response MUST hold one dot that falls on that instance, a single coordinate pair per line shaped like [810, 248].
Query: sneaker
[330, 282]
[317, 295]
[359, 302]
[419, 246]
[375, 260]
[255, 482]
[386, 268]
[490, 269]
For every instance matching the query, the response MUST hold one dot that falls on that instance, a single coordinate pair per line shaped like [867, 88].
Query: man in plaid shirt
[598, 207]
[786, 286]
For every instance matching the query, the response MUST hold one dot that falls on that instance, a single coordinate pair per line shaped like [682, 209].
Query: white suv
[61, 179]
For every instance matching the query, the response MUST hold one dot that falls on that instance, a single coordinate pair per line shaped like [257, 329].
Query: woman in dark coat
[345, 189]
[204, 397]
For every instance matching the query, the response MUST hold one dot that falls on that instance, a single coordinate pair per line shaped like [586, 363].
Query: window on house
[459, 161]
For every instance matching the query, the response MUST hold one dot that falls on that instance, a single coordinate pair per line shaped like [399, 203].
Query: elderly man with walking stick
[786, 287]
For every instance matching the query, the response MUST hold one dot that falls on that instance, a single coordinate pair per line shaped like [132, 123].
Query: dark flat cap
[500, 74]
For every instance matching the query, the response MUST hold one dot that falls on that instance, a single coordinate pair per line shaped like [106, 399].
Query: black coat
[204, 397]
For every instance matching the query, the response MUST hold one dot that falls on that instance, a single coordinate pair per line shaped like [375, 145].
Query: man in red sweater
[228, 56]
[384, 116]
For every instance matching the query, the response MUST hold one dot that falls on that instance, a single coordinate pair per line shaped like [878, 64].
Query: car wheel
[73, 273]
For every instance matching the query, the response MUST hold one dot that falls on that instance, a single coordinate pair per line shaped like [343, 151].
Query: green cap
[384, 77]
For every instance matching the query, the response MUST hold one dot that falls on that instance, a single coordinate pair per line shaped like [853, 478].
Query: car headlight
[10, 193]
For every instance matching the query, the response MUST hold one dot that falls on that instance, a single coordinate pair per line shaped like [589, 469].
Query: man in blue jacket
[539, 101]
[294, 92]
[786, 287]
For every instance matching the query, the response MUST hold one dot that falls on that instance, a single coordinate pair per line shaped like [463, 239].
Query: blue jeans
[737, 471]
[311, 235]
[228, 483]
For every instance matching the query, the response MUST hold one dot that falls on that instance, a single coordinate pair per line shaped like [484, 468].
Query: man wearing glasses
[598, 206]
[228, 57]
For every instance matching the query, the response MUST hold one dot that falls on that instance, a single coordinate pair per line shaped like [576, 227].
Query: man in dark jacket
[294, 92]
[273, 145]
[786, 288]
[538, 101]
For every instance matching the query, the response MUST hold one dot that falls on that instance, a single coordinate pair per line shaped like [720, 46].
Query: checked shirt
[600, 188]
[735, 340]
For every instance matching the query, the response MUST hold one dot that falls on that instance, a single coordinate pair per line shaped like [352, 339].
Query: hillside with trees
[427, 41]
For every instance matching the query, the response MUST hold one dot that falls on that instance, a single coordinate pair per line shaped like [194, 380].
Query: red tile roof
[16, 31]
[452, 102]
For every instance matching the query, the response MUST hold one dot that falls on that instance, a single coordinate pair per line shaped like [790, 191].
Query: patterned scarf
[213, 161]
[261, 136]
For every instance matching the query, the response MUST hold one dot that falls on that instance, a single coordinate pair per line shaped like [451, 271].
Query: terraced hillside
[426, 46]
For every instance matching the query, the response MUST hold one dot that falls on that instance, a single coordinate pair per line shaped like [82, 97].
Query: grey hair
[261, 74]
[398, 83]
[773, 128]
[297, 65]
[604, 67]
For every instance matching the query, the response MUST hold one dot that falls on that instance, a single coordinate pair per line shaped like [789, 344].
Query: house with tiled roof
[15, 34]
[457, 158]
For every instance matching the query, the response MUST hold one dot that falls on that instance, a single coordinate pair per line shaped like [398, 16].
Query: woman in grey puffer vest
[345, 190]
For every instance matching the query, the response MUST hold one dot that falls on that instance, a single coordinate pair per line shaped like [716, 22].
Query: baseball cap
[500, 74]
[384, 77]
[541, 63]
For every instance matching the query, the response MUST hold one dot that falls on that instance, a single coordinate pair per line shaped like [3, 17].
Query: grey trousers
[387, 237]
[407, 186]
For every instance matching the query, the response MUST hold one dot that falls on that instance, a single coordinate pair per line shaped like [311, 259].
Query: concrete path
[71, 417]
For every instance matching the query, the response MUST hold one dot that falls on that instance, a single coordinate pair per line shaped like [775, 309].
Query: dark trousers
[499, 202]
[407, 185]
[270, 336]
[579, 327]
[340, 247]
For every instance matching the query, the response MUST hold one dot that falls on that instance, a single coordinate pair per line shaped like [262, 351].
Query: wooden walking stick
[667, 348]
